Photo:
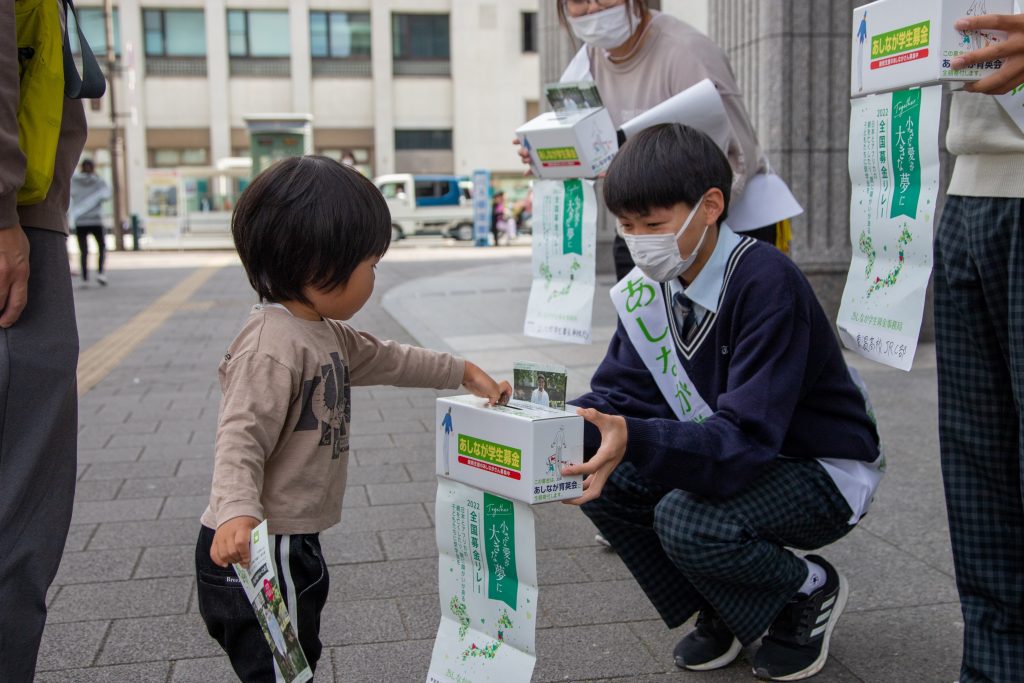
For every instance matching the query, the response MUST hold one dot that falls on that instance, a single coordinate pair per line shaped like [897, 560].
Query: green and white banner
[564, 261]
[894, 168]
[487, 576]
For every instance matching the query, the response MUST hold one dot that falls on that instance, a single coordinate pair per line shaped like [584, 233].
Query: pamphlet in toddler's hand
[264, 593]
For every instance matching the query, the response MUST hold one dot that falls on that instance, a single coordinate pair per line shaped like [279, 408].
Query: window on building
[174, 33]
[529, 31]
[339, 35]
[420, 36]
[95, 30]
[423, 139]
[173, 156]
[262, 33]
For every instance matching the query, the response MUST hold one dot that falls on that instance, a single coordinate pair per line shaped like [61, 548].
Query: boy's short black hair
[308, 221]
[665, 165]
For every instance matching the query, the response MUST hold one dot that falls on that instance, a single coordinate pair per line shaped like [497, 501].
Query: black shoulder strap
[91, 84]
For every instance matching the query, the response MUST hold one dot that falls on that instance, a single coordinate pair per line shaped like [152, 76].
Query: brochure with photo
[540, 384]
[264, 593]
[577, 96]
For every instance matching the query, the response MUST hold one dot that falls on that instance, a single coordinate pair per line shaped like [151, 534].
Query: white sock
[815, 578]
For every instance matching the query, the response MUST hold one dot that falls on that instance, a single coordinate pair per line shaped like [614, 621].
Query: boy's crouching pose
[726, 424]
[309, 232]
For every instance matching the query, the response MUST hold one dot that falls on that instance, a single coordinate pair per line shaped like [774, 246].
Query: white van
[435, 204]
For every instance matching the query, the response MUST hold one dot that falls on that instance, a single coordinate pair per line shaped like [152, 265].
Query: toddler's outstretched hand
[481, 384]
[231, 541]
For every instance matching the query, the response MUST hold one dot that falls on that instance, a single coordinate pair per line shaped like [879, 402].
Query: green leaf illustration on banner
[906, 152]
[572, 218]
[500, 544]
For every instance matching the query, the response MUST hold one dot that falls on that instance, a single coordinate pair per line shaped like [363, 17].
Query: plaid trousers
[688, 552]
[979, 329]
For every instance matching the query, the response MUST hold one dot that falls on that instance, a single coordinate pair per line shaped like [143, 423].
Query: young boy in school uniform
[723, 422]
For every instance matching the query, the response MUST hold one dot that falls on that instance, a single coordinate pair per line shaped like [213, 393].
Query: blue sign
[481, 207]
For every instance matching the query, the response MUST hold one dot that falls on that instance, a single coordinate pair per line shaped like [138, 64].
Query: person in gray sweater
[979, 329]
[88, 191]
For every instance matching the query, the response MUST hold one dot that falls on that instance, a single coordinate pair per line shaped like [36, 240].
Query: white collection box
[577, 144]
[899, 44]
[516, 451]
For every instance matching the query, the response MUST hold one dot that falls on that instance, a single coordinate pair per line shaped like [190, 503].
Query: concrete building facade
[405, 85]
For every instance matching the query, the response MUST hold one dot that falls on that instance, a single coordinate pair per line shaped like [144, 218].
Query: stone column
[383, 89]
[301, 59]
[217, 79]
[792, 61]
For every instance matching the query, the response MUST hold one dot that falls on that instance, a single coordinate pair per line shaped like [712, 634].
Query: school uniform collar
[706, 288]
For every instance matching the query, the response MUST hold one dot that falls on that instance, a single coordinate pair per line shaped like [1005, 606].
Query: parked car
[428, 204]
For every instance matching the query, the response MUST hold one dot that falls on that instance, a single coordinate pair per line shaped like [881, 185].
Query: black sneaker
[796, 646]
[709, 646]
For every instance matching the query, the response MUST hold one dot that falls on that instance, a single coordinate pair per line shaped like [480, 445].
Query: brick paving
[123, 605]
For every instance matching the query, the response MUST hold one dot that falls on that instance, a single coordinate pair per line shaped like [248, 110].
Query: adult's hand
[524, 155]
[614, 436]
[14, 249]
[1010, 51]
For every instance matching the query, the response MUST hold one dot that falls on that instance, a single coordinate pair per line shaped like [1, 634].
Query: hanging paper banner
[487, 575]
[894, 168]
[564, 261]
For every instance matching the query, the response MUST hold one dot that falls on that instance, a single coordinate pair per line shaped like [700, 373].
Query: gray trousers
[38, 444]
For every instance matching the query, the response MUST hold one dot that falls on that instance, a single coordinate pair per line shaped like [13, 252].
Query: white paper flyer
[894, 167]
[264, 592]
[564, 261]
[487, 575]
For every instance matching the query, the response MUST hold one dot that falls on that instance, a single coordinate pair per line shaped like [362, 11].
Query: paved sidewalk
[123, 606]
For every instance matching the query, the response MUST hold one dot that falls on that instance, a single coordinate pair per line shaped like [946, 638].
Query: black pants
[230, 619]
[83, 232]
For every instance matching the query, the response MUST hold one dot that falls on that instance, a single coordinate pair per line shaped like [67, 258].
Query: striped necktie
[686, 318]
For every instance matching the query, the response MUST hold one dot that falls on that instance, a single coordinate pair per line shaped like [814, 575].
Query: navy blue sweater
[768, 365]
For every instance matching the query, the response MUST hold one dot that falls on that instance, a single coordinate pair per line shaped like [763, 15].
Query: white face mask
[606, 29]
[658, 255]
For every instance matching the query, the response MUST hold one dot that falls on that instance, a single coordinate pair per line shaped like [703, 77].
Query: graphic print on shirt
[326, 405]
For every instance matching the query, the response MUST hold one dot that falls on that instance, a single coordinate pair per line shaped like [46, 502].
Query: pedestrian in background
[497, 214]
[38, 359]
[979, 343]
[88, 192]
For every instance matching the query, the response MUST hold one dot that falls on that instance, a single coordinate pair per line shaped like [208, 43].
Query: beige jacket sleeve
[12, 161]
[373, 361]
[257, 394]
[745, 156]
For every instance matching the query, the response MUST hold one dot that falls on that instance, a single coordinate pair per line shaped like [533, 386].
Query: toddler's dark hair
[665, 165]
[308, 221]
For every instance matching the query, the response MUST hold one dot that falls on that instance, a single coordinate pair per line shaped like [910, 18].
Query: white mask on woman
[658, 255]
[606, 29]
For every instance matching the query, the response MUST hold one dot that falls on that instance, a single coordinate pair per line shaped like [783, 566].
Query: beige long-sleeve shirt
[50, 214]
[989, 148]
[673, 57]
[282, 439]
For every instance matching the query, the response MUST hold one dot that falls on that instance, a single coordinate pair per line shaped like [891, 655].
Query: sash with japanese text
[641, 308]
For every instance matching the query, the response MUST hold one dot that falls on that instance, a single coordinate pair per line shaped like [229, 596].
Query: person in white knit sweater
[979, 324]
